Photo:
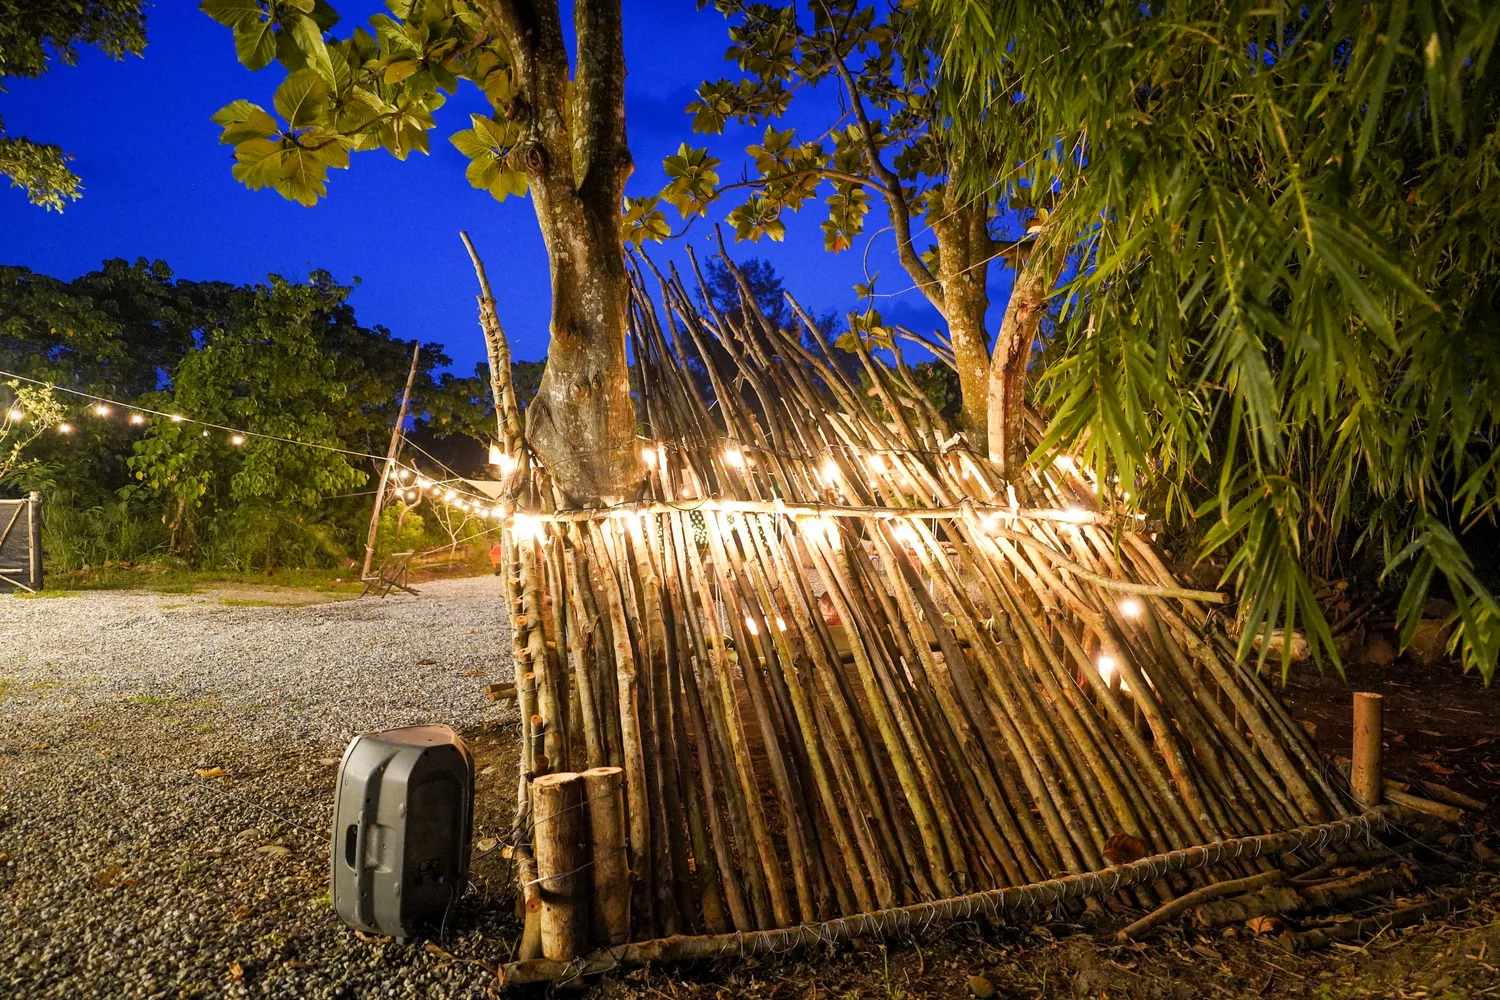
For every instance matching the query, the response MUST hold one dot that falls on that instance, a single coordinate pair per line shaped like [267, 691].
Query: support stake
[1364, 774]
[560, 842]
[605, 789]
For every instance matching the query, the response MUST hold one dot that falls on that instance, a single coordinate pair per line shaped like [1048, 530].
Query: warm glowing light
[405, 475]
[1066, 463]
[648, 455]
[101, 410]
[178, 418]
[1106, 667]
[830, 472]
[450, 495]
[906, 535]
[15, 415]
[734, 458]
[507, 464]
[750, 624]
[526, 527]
[877, 463]
[65, 428]
[780, 624]
[236, 439]
[423, 482]
[205, 433]
[410, 496]
[495, 454]
[137, 418]
[1075, 515]
[1131, 608]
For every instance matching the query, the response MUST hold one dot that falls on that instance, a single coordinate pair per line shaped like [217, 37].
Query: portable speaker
[403, 816]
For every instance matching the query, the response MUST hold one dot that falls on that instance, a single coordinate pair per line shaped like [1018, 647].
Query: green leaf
[233, 13]
[255, 44]
[303, 177]
[308, 39]
[257, 163]
[302, 98]
[242, 120]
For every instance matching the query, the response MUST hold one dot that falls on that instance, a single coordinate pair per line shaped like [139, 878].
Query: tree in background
[32, 35]
[28, 413]
[883, 144]
[557, 132]
[1286, 322]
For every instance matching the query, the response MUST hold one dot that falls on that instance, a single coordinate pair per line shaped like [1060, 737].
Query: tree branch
[602, 157]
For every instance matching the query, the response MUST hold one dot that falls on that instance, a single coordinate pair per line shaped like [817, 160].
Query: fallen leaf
[473, 673]
[1122, 848]
[241, 912]
[425, 662]
[487, 844]
[108, 876]
[1435, 767]
[1429, 732]
[433, 949]
[297, 963]
[211, 772]
[373, 939]
[236, 971]
[1265, 925]
[274, 850]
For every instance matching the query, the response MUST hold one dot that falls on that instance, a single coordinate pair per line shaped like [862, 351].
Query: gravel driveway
[124, 873]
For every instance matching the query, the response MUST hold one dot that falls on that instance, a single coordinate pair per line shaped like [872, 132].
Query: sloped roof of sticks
[846, 669]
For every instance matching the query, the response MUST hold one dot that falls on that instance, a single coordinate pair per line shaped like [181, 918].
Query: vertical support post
[34, 537]
[560, 844]
[605, 790]
[1364, 774]
[390, 460]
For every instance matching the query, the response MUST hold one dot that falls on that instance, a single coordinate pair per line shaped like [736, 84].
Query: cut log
[1320, 937]
[1215, 890]
[561, 846]
[1364, 774]
[1289, 899]
[604, 788]
[1451, 814]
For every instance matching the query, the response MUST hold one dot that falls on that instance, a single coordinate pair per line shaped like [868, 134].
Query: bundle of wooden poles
[826, 662]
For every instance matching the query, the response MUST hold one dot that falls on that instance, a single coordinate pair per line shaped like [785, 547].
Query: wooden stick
[561, 847]
[1364, 774]
[1320, 937]
[604, 790]
[1214, 890]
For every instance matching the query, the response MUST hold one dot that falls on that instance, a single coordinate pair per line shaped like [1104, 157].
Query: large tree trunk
[574, 154]
[1007, 374]
[964, 248]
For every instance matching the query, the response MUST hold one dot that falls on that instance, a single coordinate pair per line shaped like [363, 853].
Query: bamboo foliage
[947, 688]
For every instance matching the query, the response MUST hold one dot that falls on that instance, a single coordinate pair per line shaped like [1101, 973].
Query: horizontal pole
[993, 904]
[1060, 515]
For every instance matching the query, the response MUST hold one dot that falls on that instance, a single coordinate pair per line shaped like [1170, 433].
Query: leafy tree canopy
[32, 35]
[1286, 323]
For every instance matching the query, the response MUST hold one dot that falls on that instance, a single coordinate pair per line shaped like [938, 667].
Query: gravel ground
[124, 873]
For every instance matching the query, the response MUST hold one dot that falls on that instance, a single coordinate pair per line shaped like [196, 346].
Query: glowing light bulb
[495, 454]
[205, 433]
[1075, 515]
[236, 439]
[830, 472]
[14, 415]
[137, 418]
[507, 464]
[101, 410]
[1106, 667]
[906, 535]
[750, 624]
[423, 482]
[405, 475]
[734, 458]
[450, 495]
[648, 455]
[526, 527]
[877, 463]
[178, 418]
[65, 428]
[1131, 608]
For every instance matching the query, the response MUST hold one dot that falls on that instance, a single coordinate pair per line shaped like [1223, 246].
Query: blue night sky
[157, 185]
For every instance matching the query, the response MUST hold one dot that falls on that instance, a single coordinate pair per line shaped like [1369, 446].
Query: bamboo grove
[846, 668]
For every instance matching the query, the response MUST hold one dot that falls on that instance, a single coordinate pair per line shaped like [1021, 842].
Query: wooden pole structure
[560, 844]
[390, 461]
[1364, 774]
[604, 788]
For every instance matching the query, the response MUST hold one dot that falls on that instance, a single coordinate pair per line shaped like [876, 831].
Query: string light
[137, 418]
[178, 418]
[65, 428]
[1131, 608]
[526, 528]
[876, 463]
[1106, 667]
[506, 464]
[405, 475]
[450, 495]
[15, 415]
[1065, 463]
[830, 472]
[648, 455]
[101, 410]
[733, 457]
[237, 439]
[495, 454]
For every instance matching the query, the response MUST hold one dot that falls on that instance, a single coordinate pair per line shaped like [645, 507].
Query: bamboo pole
[1364, 775]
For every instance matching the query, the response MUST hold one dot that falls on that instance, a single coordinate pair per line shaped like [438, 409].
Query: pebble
[980, 987]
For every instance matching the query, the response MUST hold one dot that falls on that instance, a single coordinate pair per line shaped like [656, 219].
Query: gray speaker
[403, 816]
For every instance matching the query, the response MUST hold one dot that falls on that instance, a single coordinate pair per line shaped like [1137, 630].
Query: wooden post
[560, 843]
[605, 790]
[1364, 774]
[390, 460]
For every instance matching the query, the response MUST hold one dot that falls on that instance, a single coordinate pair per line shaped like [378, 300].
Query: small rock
[425, 662]
[1429, 644]
[1378, 651]
[980, 987]
[274, 850]
[487, 844]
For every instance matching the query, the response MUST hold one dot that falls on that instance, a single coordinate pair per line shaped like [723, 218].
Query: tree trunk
[573, 152]
[964, 248]
[1007, 377]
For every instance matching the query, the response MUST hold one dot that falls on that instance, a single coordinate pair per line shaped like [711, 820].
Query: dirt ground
[1440, 724]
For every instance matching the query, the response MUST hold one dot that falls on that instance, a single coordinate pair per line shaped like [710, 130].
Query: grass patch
[151, 699]
[9, 688]
[43, 594]
[250, 602]
[180, 580]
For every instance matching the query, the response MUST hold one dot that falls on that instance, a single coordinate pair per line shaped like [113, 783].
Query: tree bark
[574, 154]
[1007, 375]
[964, 249]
